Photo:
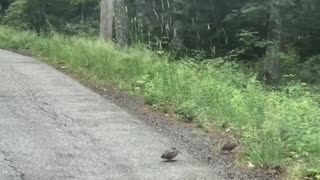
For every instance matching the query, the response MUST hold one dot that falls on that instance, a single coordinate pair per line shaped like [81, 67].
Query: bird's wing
[165, 154]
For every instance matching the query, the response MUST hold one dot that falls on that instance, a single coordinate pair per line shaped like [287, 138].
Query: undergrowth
[279, 128]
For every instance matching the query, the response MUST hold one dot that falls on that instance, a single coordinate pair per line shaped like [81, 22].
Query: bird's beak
[179, 152]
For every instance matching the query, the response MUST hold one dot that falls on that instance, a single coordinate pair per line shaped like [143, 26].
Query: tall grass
[278, 127]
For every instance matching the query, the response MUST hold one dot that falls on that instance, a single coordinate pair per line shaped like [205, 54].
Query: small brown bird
[169, 155]
[230, 146]
[225, 125]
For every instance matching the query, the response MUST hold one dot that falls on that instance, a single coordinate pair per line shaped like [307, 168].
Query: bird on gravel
[170, 154]
[225, 125]
[230, 146]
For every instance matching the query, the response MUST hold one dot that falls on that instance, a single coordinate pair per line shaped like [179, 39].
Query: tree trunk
[121, 22]
[106, 19]
[177, 41]
[140, 5]
[83, 6]
[271, 67]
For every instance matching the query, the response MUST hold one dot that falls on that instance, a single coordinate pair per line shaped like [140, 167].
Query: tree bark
[106, 19]
[121, 22]
[177, 41]
[271, 67]
[140, 5]
[83, 6]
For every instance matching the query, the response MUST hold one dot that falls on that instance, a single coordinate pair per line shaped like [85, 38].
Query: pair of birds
[169, 155]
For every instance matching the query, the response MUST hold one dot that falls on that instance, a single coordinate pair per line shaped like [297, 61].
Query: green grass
[278, 128]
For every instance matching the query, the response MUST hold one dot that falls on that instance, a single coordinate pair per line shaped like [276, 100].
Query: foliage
[310, 70]
[208, 26]
[15, 15]
[250, 46]
[55, 15]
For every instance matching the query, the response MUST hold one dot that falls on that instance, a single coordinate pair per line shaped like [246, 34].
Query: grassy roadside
[278, 128]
